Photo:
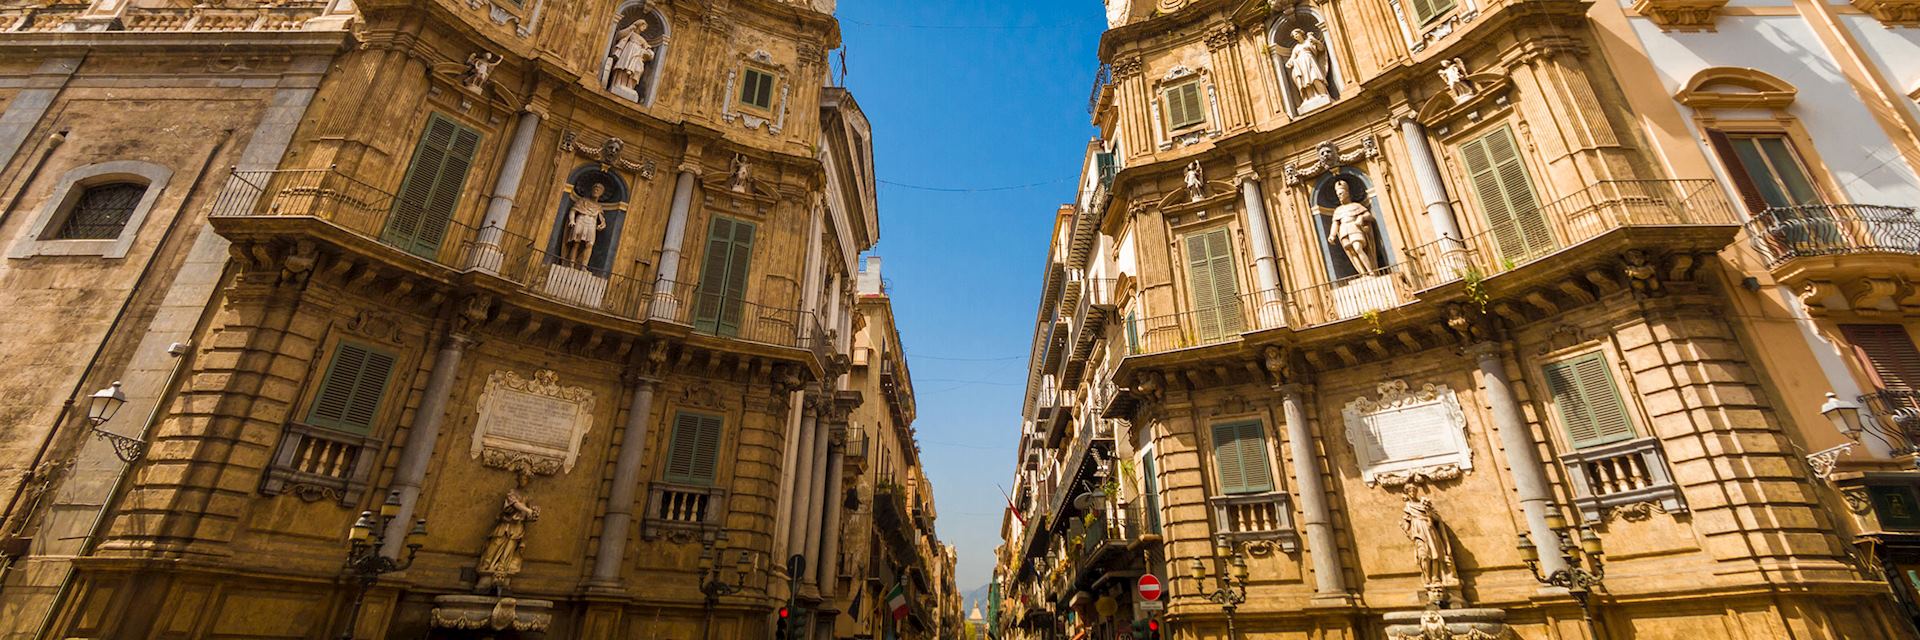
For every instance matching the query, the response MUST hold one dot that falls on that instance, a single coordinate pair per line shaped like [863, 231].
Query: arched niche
[613, 202]
[1287, 34]
[1326, 200]
[655, 37]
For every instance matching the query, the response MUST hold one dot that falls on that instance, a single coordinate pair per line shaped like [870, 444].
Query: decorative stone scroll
[1407, 436]
[531, 427]
[1327, 156]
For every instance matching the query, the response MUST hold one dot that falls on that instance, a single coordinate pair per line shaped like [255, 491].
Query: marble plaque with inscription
[1408, 435]
[531, 426]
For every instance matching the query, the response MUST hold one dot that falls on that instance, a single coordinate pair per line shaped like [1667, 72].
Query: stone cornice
[225, 42]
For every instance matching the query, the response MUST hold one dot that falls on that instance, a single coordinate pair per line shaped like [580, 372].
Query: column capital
[1248, 178]
[1485, 350]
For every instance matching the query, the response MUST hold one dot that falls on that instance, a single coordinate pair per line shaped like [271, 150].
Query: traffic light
[1153, 629]
[1139, 630]
[780, 625]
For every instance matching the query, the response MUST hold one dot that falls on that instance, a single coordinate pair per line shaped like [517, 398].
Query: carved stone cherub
[1642, 275]
[1454, 73]
[740, 174]
[480, 66]
[1196, 178]
[1278, 364]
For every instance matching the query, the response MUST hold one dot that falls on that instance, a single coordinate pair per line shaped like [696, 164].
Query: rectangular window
[101, 212]
[1589, 402]
[1184, 105]
[430, 193]
[1888, 354]
[1150, 492]
[1215, 289]
[756, 89]
[352, 388]
[1499, 177]
[694, 451]
[1240, 457]
[722, 297]
[1765, 168]
[1133, 332]
[1425, 11]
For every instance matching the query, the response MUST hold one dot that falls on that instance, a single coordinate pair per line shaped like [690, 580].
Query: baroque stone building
[560, 296]
[1467, 319]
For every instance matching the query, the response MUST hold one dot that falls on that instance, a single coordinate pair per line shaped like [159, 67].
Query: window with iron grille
[101, 211]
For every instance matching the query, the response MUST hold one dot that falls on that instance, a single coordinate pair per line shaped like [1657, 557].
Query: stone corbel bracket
[1681, 15]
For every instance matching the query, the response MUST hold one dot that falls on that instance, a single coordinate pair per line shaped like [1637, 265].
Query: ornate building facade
[1469, 319]
[539, 313]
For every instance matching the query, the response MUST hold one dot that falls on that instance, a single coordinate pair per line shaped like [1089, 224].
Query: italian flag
[897, 600]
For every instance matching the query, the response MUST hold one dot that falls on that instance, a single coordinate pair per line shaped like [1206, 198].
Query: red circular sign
[1149, 587]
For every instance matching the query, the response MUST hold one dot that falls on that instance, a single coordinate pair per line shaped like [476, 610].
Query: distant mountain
[977, 595]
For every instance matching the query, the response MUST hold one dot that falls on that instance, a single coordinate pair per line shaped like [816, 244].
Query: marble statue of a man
[631, 53]
[1196, 182]
[501, 560]
[1303, 65]
[585, 219]
[1432, 547]
[1352, 229]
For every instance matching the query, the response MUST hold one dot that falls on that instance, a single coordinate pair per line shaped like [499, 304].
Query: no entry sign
[1149, 587]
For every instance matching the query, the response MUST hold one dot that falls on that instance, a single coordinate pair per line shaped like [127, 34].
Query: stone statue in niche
[740, 174]
[1432, 548]
[480, 66]
[500, 561]
[1454, 73]
[1304, 67]
[1352, 229]
[630, 55]
[1196, 182]
[584, 221]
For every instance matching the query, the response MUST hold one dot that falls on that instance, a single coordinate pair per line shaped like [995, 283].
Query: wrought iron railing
[1102, 78]
[348, 203]
[1786, 233]
[1896, 419]
[1594, 211]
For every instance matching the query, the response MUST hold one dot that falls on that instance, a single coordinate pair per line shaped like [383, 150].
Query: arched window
[636, 50]
[1303, 57]
[613, 194]
[94, 210]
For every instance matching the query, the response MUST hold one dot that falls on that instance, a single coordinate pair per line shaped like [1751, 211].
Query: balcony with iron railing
[674, 509]
[1600, 221]
[1841, 256]
[330, 205]
[1255, 517]
[1895, 419]
[1110, 533]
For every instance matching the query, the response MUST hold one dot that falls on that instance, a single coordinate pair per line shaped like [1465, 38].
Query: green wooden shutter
[1184, 106]
[1499, 177]
[1150, 490]
[1240, 457]
[352, 388]
[1133, 332]
[1589, 402]
[430, 193]
[1214, 288]
[1426, 11]
[723, 277]
[694, 452]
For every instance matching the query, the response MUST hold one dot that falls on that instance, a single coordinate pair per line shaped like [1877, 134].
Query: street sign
[1148, 588]
[1149, 605]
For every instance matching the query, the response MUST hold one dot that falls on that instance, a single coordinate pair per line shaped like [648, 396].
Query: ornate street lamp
[365, 563]
[101, 407]
[1844, 415]
[713, 584]
[1231, 591]
[1586, 566]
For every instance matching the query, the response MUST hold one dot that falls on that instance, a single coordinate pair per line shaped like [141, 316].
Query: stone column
[421, 438]
[802, 481]
[1433, 190]
[1523, 455]
[790, 457]
[1266, 268]
[626, 483]
[665, 305]
[1330, 582]
[817, 500]
[486, 254]
[831, 502]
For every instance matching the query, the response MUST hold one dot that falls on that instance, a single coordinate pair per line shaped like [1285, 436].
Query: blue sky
[988, 97]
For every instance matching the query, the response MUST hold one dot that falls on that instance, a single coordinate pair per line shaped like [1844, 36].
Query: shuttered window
[756, 89]
[1133, 332]
[723, 278]
[1765, 169]
[1150, 492]
[1426, 11]
[694, 452]
[1888, 354]
[1240, 457]
[352, 388]
[1506, 195]
[1184, 105]
[431, 190]
[1211, 280]
[1589, 402]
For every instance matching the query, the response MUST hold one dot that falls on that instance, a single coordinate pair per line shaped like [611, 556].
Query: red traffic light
[783, 613]
[1152, 625]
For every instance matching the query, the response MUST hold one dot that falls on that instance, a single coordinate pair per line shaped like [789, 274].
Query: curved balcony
[1841, 256]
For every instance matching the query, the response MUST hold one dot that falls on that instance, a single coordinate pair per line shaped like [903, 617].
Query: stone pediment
[1443, 112]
